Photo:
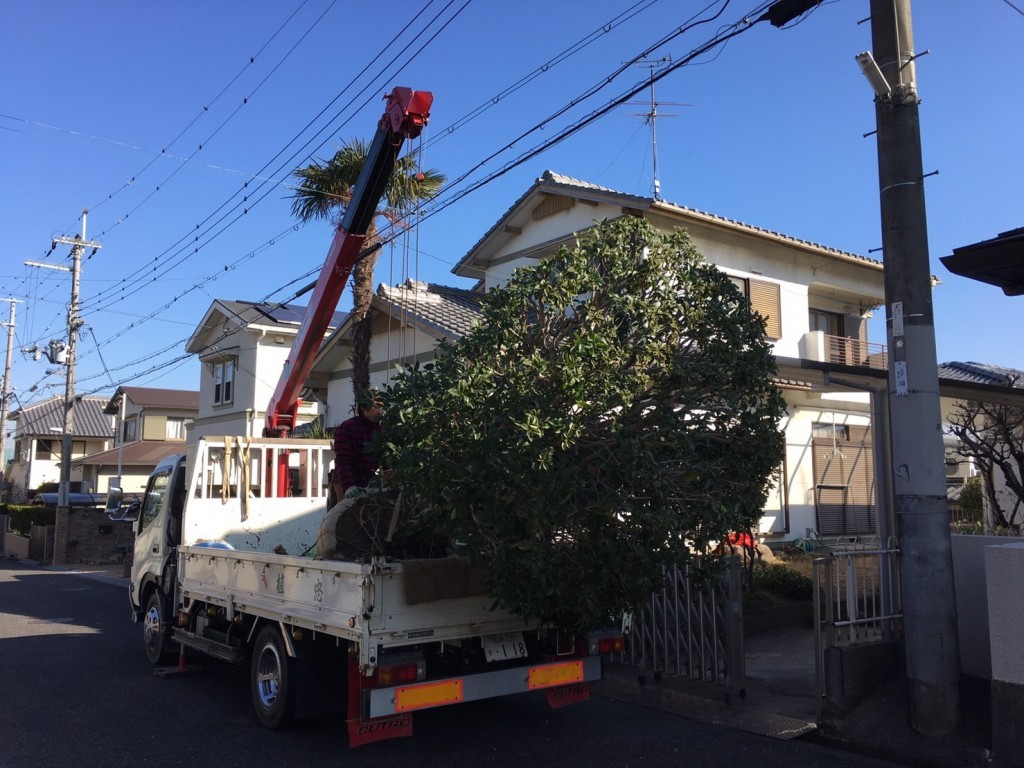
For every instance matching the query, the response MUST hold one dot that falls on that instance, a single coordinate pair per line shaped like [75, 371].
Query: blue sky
[176, 125]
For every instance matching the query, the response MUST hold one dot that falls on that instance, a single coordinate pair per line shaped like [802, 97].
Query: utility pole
[78, 244]
[6, 394]
[919, 486]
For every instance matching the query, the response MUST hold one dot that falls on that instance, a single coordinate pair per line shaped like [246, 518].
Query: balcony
[823, 348]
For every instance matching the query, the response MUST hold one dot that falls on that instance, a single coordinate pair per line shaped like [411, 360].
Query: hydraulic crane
[405, 115]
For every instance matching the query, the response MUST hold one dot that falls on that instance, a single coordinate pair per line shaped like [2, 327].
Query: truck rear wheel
[156, 632]
[272, 679]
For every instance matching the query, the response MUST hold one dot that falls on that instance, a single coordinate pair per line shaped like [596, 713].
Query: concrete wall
[1004, 567]
[972, 602]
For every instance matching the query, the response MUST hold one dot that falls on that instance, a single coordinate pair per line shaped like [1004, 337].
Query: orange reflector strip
[556, 674]
[411, 697]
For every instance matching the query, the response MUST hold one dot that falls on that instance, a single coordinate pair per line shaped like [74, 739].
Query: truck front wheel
[272, 681]
[156, 633]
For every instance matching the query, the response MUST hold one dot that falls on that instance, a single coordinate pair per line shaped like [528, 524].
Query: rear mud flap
[565, 695]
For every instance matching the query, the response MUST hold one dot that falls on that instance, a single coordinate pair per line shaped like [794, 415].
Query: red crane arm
[406, 113]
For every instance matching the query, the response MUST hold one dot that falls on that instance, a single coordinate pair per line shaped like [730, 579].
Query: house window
[223, 382]
[766, 299]
[175, 428]
[44, 449]
[129, 430]
[829, 323]
[830, 431]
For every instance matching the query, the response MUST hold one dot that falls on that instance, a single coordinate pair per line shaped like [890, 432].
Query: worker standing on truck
[354, 464]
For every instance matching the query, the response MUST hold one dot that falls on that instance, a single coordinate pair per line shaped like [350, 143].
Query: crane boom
[406, 113]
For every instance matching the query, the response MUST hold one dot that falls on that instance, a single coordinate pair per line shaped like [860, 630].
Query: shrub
[23, 518]
[776, 579]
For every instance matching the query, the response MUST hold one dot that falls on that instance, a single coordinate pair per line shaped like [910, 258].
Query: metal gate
[692, 630]
[856, 601]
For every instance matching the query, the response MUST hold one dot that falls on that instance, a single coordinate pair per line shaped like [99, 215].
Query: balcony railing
[856, 352]
[844, 351]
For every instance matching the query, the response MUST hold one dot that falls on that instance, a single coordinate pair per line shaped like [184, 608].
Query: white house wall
[387, 350]
[800, 479]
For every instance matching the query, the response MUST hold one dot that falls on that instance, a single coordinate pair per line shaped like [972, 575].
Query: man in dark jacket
[354, 465]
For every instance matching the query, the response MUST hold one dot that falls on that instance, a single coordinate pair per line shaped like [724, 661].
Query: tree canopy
[612, 413]
[324, 192]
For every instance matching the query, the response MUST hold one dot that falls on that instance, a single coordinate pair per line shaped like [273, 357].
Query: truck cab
[157, 525]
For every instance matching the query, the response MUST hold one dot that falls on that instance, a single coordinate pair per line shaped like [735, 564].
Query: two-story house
[243, 347]
[150, 425]
[38, 437]
[816, 301]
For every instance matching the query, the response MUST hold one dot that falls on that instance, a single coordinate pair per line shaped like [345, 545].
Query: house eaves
[258, 316]
[439, 311]
[999, 261]
[151, 397]
[551, 183]
[952, 384]
[144, 452]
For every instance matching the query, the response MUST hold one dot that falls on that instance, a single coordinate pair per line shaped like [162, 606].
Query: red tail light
[399, 674]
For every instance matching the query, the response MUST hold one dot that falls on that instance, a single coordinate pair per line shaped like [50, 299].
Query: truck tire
[156, 632]
[272, 679]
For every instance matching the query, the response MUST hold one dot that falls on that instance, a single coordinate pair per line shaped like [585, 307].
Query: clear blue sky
[98, 95]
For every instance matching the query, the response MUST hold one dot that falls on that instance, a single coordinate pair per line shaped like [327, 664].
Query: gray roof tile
[431, 308]
[47, 416]
[982, 373]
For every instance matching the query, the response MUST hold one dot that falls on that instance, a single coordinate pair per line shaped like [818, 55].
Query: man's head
[370, 405]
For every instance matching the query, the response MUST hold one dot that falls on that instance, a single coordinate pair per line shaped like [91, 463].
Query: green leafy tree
[325, 189]
[613, 412]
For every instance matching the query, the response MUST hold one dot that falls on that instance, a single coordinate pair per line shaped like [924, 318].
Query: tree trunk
[362, 332]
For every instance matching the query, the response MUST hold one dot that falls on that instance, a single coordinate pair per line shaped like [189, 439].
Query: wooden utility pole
[919, 483]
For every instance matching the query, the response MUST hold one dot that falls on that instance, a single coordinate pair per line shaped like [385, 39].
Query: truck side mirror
[116, 508]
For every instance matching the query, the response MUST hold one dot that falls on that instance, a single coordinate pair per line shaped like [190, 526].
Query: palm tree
[324, 191]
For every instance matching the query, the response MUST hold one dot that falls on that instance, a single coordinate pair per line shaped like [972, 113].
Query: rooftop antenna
[651, 115]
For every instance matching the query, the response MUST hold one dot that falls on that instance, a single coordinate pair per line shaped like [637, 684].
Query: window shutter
[766, 300]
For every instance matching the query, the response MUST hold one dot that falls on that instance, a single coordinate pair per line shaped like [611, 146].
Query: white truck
[377, 639]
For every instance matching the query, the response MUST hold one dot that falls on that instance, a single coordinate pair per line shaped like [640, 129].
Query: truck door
[153, 536]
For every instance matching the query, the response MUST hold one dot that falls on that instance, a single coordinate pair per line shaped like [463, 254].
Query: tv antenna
[651, 115]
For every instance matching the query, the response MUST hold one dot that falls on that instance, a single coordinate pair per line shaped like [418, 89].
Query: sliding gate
[692, 630]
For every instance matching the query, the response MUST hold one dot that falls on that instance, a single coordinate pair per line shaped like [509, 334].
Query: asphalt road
[76, 690]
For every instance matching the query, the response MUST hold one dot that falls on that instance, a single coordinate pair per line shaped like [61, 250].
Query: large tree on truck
[613, 413]
[325, 189]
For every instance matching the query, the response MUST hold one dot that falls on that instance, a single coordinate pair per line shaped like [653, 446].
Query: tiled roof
[150, 397]
[142, 452]
[429, 307]
[550, 181]
[47, 417]
[569, 182]
[982, 373]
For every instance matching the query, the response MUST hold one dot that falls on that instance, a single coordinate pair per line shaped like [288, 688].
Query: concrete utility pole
[919, 484]
[6, 394]
[60, 545]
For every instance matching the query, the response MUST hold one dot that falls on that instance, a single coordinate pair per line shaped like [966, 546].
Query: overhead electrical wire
[443, 202]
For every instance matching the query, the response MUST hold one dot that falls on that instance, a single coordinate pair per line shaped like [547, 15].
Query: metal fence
[689, 629]
[856, 601]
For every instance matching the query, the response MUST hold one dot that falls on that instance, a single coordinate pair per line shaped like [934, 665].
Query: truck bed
[366, 603]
